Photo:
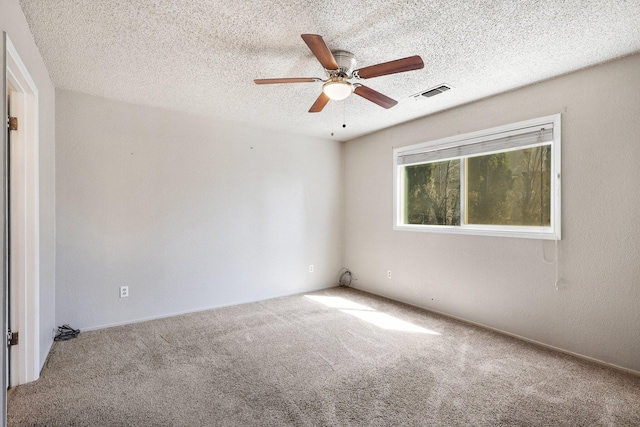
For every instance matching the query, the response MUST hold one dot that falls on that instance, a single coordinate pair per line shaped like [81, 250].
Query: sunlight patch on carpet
[368, 314]
[338, 302]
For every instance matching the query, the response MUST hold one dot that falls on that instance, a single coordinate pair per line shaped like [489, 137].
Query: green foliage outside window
[508, 188]
[433, 193]
[489, 184]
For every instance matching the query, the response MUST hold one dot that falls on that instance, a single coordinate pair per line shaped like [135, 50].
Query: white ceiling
[201, 56]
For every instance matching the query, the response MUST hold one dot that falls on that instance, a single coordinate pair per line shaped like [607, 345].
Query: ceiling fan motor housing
[346, 63]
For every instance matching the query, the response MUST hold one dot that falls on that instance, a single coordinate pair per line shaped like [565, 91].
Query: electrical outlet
[124, 291]
[388, 274]
[311, 268]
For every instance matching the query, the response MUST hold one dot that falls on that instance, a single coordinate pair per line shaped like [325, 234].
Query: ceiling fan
[339, 66]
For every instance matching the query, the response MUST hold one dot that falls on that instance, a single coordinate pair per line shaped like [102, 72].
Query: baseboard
[44, 361]
[509, 334]
[196, 310]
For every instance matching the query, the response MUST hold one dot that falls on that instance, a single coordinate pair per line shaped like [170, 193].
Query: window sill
[541, 233]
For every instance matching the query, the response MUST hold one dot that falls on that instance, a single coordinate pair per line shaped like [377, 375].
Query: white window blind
[534, 135]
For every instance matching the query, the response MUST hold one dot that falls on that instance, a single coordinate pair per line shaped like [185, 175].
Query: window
[501, 182]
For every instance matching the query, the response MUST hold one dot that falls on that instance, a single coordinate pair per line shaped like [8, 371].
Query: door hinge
[13, 123]
[12, 338]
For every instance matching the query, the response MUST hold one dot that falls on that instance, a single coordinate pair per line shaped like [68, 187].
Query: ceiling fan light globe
[337, 90]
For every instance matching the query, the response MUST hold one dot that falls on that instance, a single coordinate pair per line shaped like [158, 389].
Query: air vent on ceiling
[433, 91]
[436, 91]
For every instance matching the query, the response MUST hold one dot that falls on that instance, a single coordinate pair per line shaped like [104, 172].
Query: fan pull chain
[344, 114]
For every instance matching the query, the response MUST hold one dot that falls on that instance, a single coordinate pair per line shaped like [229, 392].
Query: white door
[15, 237]
[21, 219]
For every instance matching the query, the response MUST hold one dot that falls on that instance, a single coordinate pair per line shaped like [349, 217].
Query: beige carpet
[344, 358]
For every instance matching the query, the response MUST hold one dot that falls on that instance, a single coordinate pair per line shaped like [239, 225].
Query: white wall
[14, 23]
[188, 212]
[505, 283]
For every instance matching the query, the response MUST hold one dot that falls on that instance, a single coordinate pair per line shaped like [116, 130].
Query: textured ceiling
[201, 56]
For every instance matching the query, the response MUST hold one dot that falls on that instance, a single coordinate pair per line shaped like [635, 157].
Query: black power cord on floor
[346, 277]
[66, 332]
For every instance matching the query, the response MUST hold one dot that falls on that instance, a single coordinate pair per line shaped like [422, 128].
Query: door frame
[25, 227]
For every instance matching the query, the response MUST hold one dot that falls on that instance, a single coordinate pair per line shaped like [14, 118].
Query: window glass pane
[512, 188]
[432, 193]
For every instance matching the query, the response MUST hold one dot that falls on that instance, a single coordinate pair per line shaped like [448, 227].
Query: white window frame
[553, 232]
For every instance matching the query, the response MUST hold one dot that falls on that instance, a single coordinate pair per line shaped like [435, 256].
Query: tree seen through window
[506, 188]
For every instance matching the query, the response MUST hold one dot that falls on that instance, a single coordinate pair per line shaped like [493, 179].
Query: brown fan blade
[286, 80]
[320, 50]
[398, 66]
[319, 104]
[375, 97]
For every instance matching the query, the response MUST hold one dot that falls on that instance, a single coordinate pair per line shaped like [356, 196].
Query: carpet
[338, 357]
